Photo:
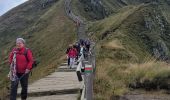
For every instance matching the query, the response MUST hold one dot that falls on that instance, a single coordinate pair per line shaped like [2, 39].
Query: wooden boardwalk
[60, 85]
[56, 97]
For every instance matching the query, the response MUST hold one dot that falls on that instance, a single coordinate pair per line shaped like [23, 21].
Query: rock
[96, 7]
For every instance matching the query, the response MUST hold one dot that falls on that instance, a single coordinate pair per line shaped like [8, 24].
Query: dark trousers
[68, 61]
[24, 85]
[88, 47]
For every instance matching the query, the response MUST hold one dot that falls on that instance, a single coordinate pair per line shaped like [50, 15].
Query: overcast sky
[6, 5]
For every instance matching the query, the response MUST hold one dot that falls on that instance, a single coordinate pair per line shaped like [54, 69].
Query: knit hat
[20, 40]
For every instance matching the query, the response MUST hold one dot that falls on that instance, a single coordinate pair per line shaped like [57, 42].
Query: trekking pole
[18, 79]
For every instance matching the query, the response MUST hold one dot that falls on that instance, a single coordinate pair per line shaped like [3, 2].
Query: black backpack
[34, 61]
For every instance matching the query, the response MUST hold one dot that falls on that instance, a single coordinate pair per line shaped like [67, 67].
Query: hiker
[20, 67]
[77, 47]
[72, 55]
[87, 44]
[81, 42]
[67, 51]
[82, 50]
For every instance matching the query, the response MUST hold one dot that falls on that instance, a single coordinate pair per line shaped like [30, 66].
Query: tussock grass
[124, 60]
[124, 49]
[114, 78]
[149, 75]
[115, 44]
[102, 83]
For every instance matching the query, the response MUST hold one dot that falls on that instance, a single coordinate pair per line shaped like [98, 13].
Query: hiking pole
[18, 79]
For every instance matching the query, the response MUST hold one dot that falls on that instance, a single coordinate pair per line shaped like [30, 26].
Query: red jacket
[22, 63]
[72, 53]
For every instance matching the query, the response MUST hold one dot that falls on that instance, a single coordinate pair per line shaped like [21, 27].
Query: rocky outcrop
[46, 3]
[95, 8]
[160, 51]
[168, 2]
[156, 24]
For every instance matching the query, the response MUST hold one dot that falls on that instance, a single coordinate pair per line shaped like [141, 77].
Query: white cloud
[6, 5]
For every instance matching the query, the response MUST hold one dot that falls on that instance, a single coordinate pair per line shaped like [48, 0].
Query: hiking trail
[62, 84]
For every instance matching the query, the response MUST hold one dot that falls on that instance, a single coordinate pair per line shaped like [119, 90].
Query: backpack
[34, 61]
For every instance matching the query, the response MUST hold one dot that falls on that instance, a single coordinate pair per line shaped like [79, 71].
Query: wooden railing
[85, 72]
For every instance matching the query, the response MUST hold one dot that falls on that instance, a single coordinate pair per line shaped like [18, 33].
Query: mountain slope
[48, 35]
[131, 41]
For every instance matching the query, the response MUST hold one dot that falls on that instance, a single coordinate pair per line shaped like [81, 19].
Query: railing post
[89, 82]
[78, 70]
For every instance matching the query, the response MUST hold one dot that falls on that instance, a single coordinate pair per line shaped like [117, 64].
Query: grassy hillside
[98, 9]
[132, 39]
[130, 43]
[48, 36]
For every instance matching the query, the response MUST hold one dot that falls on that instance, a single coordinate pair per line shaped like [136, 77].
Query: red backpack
[34, 61]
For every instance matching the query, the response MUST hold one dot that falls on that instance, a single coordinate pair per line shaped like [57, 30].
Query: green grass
[113, 22]
[123, 42]
[48, 38]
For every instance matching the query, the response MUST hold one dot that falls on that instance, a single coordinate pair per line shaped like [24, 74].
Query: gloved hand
[27, 71]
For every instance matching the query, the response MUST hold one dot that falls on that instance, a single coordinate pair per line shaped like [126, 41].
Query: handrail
[79, 67]
[83, 93]
[87, 93]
